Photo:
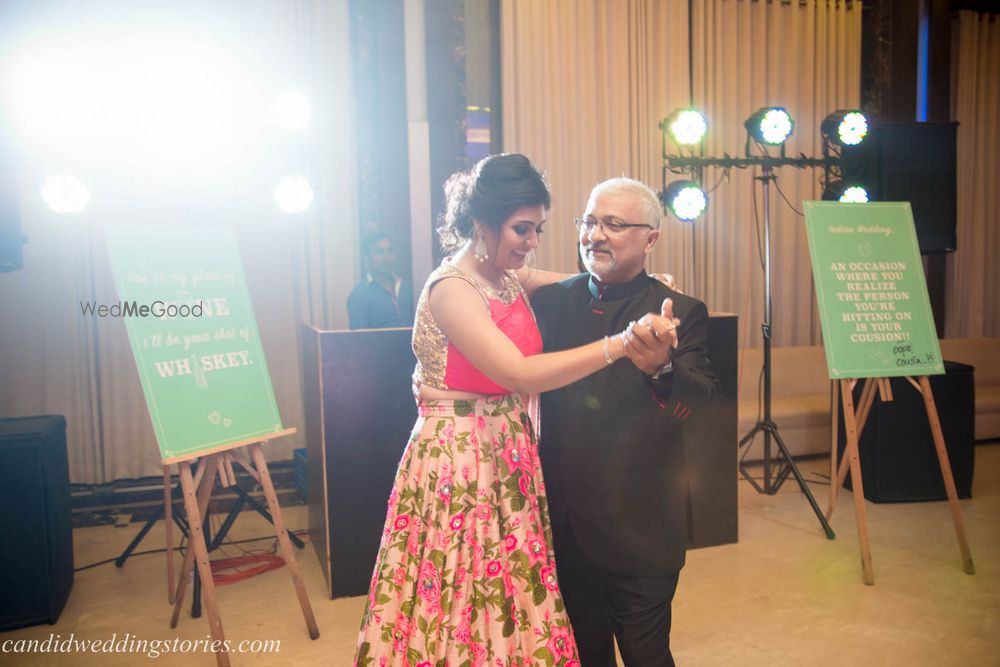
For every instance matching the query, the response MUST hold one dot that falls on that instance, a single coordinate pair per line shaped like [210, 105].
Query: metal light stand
[766, 425]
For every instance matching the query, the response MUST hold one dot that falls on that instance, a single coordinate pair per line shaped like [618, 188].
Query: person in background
[383, 299]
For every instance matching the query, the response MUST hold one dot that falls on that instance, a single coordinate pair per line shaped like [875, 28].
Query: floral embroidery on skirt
[465, 574]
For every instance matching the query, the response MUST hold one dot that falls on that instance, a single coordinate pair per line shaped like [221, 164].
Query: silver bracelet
[607, 353]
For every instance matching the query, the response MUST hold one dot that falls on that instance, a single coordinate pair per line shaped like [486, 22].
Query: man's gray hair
[652, 210]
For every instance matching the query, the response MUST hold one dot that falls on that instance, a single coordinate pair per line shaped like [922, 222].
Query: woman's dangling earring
[480, 251]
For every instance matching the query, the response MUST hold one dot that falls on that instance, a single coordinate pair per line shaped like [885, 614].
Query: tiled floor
[784, 595]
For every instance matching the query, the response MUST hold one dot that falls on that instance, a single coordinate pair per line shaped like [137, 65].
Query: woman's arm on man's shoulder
[532, 278]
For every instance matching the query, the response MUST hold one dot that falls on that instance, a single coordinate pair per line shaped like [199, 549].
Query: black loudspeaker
[36, 561]
[914, 162]
[898, 460]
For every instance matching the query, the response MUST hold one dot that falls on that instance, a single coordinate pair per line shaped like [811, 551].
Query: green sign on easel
[873, 302]
[193, 333]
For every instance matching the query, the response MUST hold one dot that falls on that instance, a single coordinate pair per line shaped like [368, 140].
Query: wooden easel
[854, 424]
[197, 489]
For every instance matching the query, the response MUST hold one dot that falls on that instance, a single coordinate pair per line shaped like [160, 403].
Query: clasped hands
[650, 340]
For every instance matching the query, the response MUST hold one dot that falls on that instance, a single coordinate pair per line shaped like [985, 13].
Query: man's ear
[651, 240]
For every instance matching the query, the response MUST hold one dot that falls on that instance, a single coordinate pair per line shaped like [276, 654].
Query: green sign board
[194, 337]
[872, 295]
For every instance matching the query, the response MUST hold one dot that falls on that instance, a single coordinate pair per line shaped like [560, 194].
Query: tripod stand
[172, 494]
[767, 426]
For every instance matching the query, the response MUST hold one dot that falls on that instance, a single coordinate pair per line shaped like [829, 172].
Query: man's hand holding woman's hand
[649, 341]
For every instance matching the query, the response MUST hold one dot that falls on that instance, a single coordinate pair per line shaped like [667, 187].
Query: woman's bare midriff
[431, 394]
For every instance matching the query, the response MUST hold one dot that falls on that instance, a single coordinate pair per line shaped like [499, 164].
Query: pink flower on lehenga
[484, 512]
[478, 653]
[464, 632]
[493, 568]
[402, 521]
[508, 584]
[510, 542]
[534, 546]
[478, 552]
[560, 643]
[524, 484]
[548, 575]
[401, 633]
[480, 423]
[413, 537]
[429, 586]
[444, 489]
[457, 522]
[511, 456]
[399, 576]
[528, 462]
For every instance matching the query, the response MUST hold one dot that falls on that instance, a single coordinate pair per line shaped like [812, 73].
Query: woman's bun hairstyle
[490, 192]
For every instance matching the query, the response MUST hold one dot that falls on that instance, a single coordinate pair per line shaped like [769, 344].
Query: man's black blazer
[611, 444]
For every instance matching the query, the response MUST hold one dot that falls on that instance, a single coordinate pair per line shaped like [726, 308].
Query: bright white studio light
[167, 104]
[853, 128]
[687, 127]
[776, 126]
[690, 203]
[293, 194]
[292, 111]
[855, 194]
[685, 199]
[65, 193]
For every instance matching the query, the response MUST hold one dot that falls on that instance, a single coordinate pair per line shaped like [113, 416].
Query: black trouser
[604, 605]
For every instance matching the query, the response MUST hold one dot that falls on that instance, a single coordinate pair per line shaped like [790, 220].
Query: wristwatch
[664, 370]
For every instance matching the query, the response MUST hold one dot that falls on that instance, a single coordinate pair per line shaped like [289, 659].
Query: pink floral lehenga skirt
[465, 573]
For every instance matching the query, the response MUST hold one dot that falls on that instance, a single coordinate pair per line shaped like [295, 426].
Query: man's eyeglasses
[610, 226]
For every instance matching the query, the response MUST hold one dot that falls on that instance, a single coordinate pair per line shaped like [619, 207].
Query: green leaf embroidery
[544, 654]
[517, 502]
[538, 594]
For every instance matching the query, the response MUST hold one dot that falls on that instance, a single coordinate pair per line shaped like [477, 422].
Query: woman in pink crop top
[465, 572]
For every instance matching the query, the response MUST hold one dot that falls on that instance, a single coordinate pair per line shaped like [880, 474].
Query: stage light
[845, 127]
[846, 192]
[686, 127]
[163, 106]
[293, 194]
[770, 125]
[292, 111]
[685, 199]
[65, 193]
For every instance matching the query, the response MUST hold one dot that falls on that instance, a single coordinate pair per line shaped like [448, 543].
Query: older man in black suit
[611, 444]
